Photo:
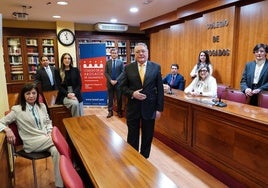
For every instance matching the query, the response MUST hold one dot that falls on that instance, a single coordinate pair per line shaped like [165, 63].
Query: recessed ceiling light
[134, 9]
[113, 20]
[57, 17]
[62, 3]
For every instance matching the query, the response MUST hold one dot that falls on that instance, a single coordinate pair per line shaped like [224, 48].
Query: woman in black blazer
[70, 86]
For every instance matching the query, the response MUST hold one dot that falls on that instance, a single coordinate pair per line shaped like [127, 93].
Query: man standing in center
[113, 73]
[142, 84]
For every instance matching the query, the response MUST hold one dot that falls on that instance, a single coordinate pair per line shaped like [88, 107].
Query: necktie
[49, 73]
[172, 80]
[36, 118]
[141, 72]
[113, 70]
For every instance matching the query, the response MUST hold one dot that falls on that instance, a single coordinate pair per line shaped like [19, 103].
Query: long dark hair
[207, 59]
[28, 87]
[62, 69]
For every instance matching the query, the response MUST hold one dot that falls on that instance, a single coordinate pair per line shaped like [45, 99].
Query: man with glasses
[202, 85]
[255, 76]
[142, 84]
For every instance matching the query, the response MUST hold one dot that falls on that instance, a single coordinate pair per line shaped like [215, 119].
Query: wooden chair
[13, 99]
[57, 112]
[263, 99]
[70, 177]
[236, 96]
[18, 151]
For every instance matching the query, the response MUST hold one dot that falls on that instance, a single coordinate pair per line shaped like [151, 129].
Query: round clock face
[66, 37]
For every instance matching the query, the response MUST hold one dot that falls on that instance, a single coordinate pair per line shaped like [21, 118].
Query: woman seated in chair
[203, 85]
[34, 126]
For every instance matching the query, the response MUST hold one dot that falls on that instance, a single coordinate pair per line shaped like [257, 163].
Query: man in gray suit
[46, 75]
[255, 76]
[142, 84]
[113, 73]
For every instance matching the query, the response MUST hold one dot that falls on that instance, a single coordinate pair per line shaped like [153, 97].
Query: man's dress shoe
[110, 114]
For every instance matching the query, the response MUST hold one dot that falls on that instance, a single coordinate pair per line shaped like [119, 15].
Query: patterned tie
[36, 118]
[113, 70]
[141, 72]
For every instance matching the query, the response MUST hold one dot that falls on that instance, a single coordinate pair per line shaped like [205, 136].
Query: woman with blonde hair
[70, 86]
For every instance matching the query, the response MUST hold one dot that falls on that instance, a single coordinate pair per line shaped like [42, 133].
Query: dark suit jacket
[178, 82]
[76, 84]
[152, 87]
[42, 78]
[119, 68]
[248, 76]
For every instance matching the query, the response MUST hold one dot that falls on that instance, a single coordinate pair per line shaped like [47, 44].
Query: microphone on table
[170, 92]
[219, 103]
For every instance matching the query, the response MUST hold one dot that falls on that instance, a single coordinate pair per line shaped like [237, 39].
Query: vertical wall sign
[92, 66]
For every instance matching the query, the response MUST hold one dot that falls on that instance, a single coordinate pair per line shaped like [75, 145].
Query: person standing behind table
[145, 98]
[202, 85]
[113, 73]
[174, 79]
[255, 76]
[46, 75]
[203, 59]
[34, 126]
[70, 86]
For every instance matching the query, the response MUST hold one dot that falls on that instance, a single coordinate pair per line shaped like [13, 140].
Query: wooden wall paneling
[173, 125]
[230, 148]
[157, 48]
[193, 38]
[177, 46]
[164, 42]
[170, 48]
[252, 29]
[222, 64]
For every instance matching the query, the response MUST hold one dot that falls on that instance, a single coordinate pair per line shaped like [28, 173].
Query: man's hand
[137, 95]
[248, 92]
[113, 82]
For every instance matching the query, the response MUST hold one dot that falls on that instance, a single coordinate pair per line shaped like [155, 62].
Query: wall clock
[66, 37]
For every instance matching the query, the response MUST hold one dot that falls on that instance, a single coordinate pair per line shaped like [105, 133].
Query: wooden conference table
[108, 159]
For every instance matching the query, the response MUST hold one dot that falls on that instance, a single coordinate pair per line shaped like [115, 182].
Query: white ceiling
[91, 11]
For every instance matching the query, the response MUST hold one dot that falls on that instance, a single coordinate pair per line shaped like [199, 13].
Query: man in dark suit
[142, 84]
[174, 79]
[113, 73]
[255, 76]
[46, 75]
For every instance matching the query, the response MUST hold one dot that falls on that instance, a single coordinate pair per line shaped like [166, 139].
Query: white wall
[63, 49]
[3, 85]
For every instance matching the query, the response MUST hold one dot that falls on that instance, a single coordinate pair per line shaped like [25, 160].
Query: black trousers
[254, 98]
[147, 133]
[114, 91]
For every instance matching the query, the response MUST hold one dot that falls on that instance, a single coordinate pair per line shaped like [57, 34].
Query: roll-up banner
[92, 67]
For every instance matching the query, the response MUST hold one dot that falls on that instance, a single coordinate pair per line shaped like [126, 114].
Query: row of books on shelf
[20, 77]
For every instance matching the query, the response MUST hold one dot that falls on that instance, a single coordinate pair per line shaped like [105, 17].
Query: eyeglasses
[203, 71]
[259, 51]
[141, 51]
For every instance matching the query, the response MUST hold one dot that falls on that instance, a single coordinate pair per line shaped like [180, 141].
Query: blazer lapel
[264, 69]
[147, 73]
